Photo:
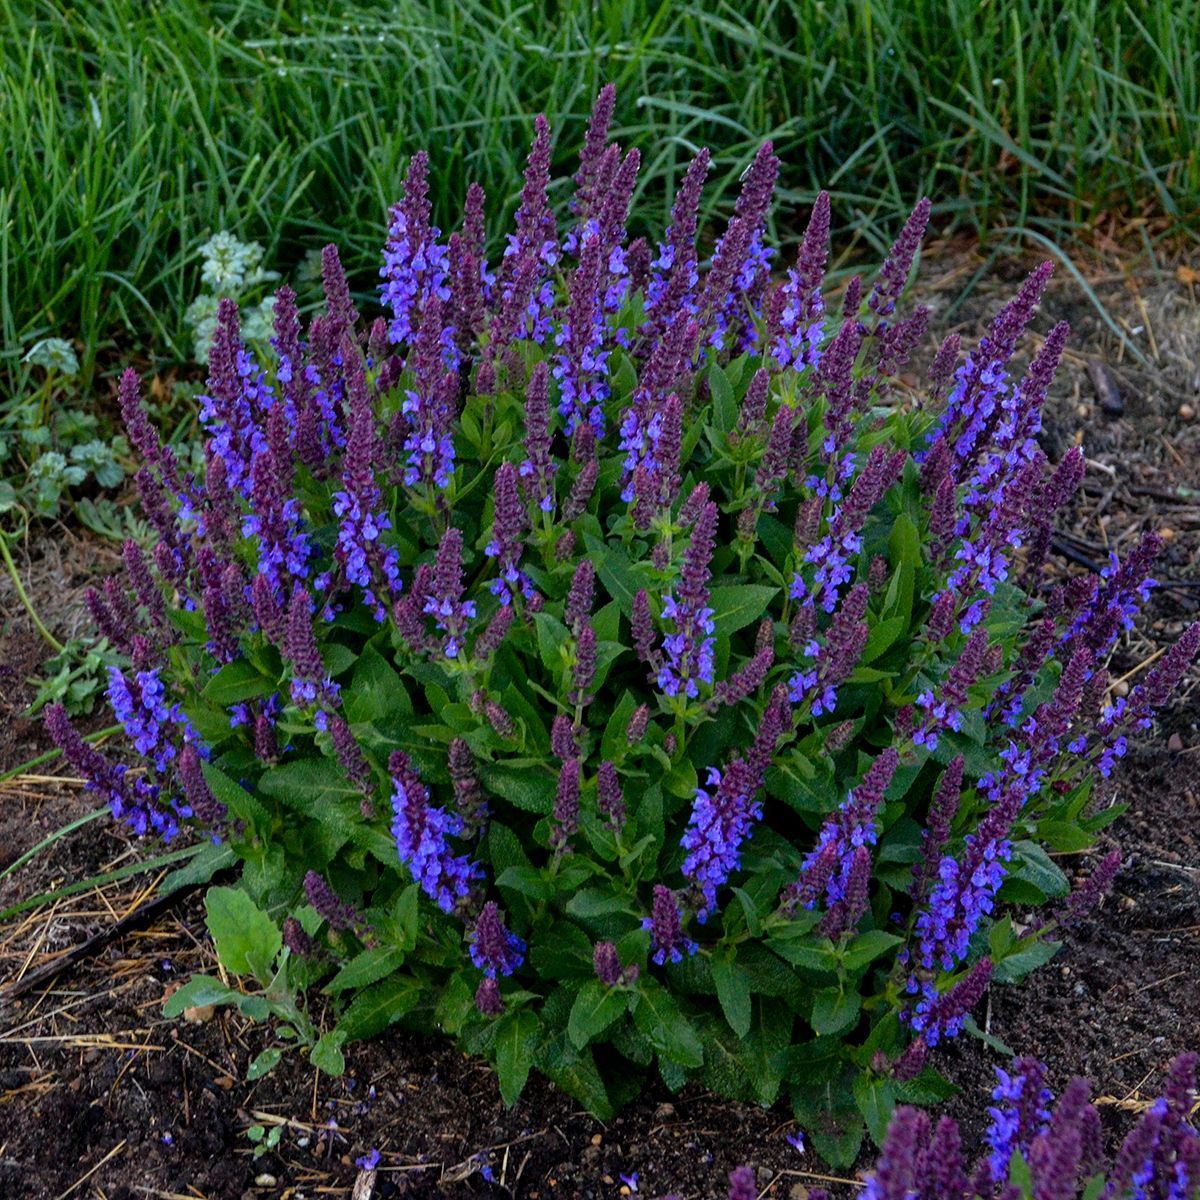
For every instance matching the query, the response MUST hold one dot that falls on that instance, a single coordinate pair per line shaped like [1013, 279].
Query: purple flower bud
[667, 939]
[584, 670]
[444, 602]
[608, 794]
[1088, 894]
[607, 964]
[464, 778]
[637, 724]
[944, 363]
[538, 469]
[492, 638]
[895, 271]
[488, 999]
[266, 745]
[494, 949]
[338, 913]
[349, 755]
[205, 807]
[562, 738]
[297, 940]
[580, 597]
[565, 819]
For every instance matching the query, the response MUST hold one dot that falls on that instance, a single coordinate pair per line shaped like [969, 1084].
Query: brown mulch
[100, 1097]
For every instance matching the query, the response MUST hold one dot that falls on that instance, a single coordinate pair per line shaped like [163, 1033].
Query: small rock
[265, 1180]
[1121, 688]
[1174, 743]
[224, 1082]
[1186, 412]
[663, 1111]
[198, 1015]
[797, 1192]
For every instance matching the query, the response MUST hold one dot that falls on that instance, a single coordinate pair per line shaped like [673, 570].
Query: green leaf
[590, 903]
[236, 799]
[367, 967]
[529, 881]
[876, 1100]
[517, 1036]
[199, 991]
[327, 1054]
[376, 690]
[247, 939]
[620, 579]
[658, 1016]
[596, 1007]
[882, 637]
[724, 406]
[526, 788]
[867, 947]
[738, 606]
[210, 859]
[834, 1011]
[904, 544]
[235, 682]
[264, 1062]
[733, 989]
[552, 636]
[1013, 967]
[1033, 865]
[372, 1011]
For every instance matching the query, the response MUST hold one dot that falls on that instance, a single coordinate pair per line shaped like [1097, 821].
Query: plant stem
[23, 595]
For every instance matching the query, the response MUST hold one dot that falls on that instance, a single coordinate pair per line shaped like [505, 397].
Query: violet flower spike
[495, 950]
[444, 602]
[667, 939]
[422, 832]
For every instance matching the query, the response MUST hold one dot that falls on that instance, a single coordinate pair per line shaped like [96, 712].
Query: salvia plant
[605, 658]
[1036, 1149]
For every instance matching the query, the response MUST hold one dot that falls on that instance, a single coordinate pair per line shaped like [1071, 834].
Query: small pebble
[1121, 688]
[265, 1180]
[1174, 743]
[1186, 412]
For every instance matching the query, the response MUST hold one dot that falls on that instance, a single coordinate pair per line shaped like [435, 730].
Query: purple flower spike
[667, 939]
[795, 319]
[538, 469]
[494, 949]
[321, 896]
[415, 265]
[444, 602]
[895, 271]
[688, 649]
[422, 832]
[588, 193]
[723, 815]
[311, 683]
[566, 806]
[507, 541]
[608, 791]
[853, 825]
[674, 274]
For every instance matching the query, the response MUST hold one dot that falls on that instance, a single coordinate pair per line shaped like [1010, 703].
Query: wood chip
[1108, 394]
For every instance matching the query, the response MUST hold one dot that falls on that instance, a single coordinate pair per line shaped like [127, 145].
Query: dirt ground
[100, 1097]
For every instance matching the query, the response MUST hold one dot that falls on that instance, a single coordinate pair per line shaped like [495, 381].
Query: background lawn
[137, 128]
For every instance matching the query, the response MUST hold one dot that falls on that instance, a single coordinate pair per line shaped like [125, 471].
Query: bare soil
[100, 1097]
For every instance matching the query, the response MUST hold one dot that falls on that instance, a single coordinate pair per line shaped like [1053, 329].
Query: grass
[135, 128]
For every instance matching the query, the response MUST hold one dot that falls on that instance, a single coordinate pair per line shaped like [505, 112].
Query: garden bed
[135, 1105]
